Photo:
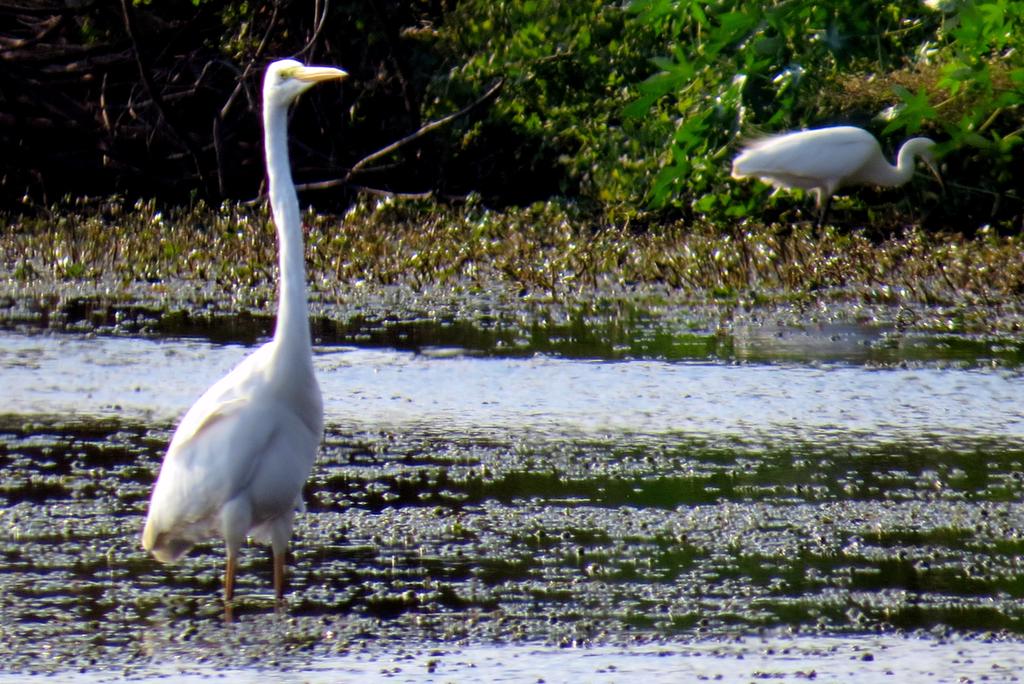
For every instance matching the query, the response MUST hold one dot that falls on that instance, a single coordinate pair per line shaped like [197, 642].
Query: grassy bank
[225, 258]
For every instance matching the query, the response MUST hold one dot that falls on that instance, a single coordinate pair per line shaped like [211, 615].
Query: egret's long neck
[885, 174]
[292, 309]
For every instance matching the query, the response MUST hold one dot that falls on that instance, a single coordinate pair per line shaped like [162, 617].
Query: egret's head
[924, 149]
[918, 148]
[286, 79]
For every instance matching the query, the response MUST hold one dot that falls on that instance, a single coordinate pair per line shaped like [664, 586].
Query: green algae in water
[467, 495]
[416, 537]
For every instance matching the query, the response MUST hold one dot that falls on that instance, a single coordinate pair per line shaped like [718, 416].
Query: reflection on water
[454, 391]
[468, 497]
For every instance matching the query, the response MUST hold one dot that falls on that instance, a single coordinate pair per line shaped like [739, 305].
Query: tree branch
[154, 94]
[240, 85]
[491, 93]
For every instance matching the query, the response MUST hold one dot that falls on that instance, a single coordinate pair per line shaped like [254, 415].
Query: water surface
[513, 510]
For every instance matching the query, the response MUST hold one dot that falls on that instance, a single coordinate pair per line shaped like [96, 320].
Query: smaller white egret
[238, 460]
[824, 159]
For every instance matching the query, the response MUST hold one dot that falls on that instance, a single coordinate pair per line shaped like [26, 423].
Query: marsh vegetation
[582, 389]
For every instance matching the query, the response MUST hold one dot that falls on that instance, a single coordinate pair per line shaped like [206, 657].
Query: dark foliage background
[162, 99]
[631, 111]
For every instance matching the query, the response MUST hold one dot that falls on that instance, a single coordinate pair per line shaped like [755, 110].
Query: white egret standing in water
[240, 456]
[825, 159]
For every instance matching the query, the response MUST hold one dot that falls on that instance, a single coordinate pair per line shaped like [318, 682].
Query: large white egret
[238, 460]
[825, 159]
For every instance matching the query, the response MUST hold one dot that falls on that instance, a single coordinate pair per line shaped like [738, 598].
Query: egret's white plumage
[238, 460]
[824, 159]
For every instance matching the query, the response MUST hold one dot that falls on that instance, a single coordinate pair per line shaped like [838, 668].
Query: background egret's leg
[824, 211]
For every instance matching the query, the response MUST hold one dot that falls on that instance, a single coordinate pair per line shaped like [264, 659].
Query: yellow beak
[315, 74]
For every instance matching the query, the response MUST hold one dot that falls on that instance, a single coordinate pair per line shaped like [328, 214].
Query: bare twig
[218, 155]
[388, 193]
[491, 93]
[252, 62]
[154, 93]
[311, 43]
[104, 115]
[218, 120]
[47, 29]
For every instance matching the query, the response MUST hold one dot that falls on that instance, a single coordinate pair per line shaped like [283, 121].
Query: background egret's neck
[906, 160]
[292, 311]
[881, 172]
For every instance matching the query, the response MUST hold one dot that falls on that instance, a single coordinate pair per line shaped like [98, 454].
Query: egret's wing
[196, 424]
[222, 398]
[212, 455]
[202, 473]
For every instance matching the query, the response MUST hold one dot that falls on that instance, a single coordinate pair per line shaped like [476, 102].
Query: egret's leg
[280, 533]
[229, 575]
[235, 520]
[279, 559]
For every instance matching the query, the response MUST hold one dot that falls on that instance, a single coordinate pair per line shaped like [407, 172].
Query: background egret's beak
[315, 74]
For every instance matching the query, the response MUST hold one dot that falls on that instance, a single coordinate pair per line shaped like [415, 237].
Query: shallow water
[852, 660]
[472, 505]
[459, 391]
